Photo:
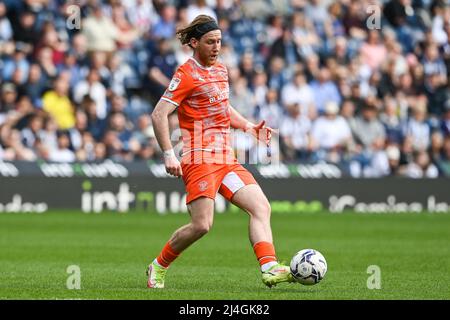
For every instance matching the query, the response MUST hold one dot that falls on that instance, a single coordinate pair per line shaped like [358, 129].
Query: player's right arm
[160, 120]
[180, 87]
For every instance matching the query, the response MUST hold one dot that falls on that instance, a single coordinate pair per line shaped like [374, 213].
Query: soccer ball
[308, 266]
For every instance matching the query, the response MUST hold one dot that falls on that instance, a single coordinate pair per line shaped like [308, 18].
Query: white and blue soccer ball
[308, 266]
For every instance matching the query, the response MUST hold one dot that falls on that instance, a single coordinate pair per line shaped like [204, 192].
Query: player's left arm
[259, 130]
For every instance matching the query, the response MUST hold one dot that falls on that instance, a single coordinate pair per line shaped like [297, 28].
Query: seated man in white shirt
[330, 134]
[295, 133]
[62, 153]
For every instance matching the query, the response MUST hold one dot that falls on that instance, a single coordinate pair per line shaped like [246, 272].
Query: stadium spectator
[48, 67]
[444, 163]
[51, 39]
[161, 67]
[270, 110]
[299, 92]
[95, 89]
[126, 31]
[307, 41]
[295, 130]
[79, 47]
[348, 110]
[166, 24]
[274, 28]
[49, 135]
[242, 98]
[316, 11]
[354, 20]
[432, 62]
[62, 153]
[247, 67]
[436, 148]
[324, 90]
[417, 127]
[12, 143]
[340, 51]
[16, 63]
[333, 26]
[35, 85]
[25, 27]
[445, 123]
[141, 13]
[373, 52]
[391, 121]
[120, 75]
[223, 9]
[440, 15]
[119, 125]
[96, 126]
[86, 150]
[197, 7]
[57, 103]
[285, 48]
[6, 32]
[393, 156]
[278, 76]
[437, 93]
[367, 129]
[330, 135]
[421, 167]
[102, 34]
[259, 87]
[8, 98]
[369, 137]
[76, 133]
[32, 132]
[145, 136]
[100, 151]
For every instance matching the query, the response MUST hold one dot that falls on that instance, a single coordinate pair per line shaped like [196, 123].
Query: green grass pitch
[113, 250]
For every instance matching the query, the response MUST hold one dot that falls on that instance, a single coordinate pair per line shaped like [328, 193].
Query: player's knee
[266, 208]
[201, 228]
[262, 210]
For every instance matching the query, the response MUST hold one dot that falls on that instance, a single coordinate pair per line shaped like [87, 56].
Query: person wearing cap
[200, 91]
[393, 157]
[8, 97]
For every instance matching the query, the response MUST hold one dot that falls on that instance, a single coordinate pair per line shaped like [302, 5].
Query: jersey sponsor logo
[174, 83]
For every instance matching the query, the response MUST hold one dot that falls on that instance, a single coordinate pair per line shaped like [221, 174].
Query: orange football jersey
[201, 94]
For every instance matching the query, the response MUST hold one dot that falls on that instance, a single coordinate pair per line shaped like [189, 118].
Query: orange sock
[167, 255]
[265, 252]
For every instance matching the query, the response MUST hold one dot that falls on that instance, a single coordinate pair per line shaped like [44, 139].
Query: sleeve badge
[174, 83]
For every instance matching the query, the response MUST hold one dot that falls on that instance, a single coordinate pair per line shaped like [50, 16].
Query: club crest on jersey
[174, 83]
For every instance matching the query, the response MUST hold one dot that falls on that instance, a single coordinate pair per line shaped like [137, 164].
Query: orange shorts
[205, 180]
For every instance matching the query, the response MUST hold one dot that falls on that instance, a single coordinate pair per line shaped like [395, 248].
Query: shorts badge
[202, 185]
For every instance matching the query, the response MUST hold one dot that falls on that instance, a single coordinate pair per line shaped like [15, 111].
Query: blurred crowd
[358, 83]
